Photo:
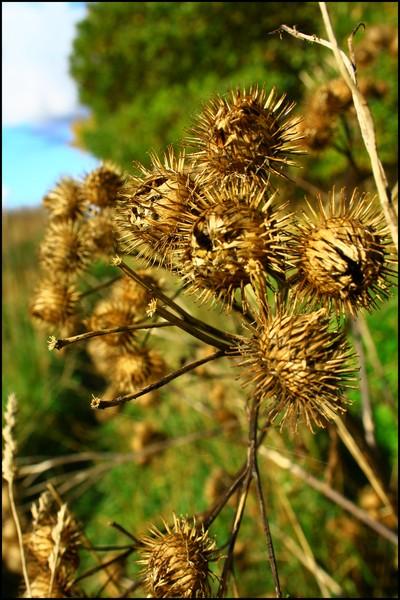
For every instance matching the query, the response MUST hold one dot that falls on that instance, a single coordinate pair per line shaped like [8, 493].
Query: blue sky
[39, 100]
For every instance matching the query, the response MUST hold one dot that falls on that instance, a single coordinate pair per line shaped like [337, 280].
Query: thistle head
[103, 185]
[151, 205]
[342, 254]
[248, 132]
[299, 364]
[137, 368]
[55, 304]
[176, 562]
[66, 248]
[66, 201]
[233, 237]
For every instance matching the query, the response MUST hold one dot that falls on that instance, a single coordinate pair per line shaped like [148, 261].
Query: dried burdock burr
[299, 365]
[151, 205]
[66, 248]
[236, 238]
[113, 312]
[247, 132]
[103, 185]
[66, 201]
[103, 232]
[55, 304]
[176, 561]
[343, 253]
[136, 368]
[127, 290]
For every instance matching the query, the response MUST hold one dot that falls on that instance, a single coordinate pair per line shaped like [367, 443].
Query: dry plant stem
[375, 361]
[330, 493]
[358, 456]
[305, 549]
[169, 302]
[267, 531]
[101, 286]
[60, 343]
[367, 418]
[363, 115]
[105, 564]
[101, 404]
[20, 539]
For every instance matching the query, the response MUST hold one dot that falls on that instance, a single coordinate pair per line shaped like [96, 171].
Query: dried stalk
[363, 115]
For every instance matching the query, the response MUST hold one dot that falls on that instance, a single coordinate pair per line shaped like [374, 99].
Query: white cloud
[37, 39]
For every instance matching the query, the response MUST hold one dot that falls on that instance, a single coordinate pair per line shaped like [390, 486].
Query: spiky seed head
[236, 237]
[300, 366]
[103, 232]
[66, 200]
[103, 185]
[129, 291]
[137, 368]
[343, 253]
[103, 356]
[55, 304]
[176, 562]
[66, 248]
[109, 313]
[316, 130]
[247, 132]
[151, 206]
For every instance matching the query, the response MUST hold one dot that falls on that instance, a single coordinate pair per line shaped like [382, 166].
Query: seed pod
[137, 368]
[103, 185]
[110, 313]
[151, 207]
[342, 254]
[236, 238]
[247, 133]
[66, 248]
[55, 304]
[66, 201]
[299, 366]
[40, 587]
[176, 562]
[103, 232]
[129, 291]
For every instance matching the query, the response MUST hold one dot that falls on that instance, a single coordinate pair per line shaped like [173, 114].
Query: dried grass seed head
[55, 304]
[151, 206]
[300, 366]
[343, 253]
[247, 132]
[103, 185]
[236, 236]
[66, 200]
[176, 562]
[66, 248]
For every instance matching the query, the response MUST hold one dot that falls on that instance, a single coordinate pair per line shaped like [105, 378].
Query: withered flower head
[137, 368]
[247, 132]
[66, 200]
[236, 238]
[110, 313]
[103, 232]
[129, 291]
[175, 563]
[299, 365]
[102, 185]
[151, 205]
[343, 254]
[55, 304]
[66, 248]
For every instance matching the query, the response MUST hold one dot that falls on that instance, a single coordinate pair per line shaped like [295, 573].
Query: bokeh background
[84, 82]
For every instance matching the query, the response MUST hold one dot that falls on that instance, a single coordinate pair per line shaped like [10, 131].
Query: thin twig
[58, 344]
[326, 490]
[101, 286]
[363, 115]
[101, 404]
[366, 410]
